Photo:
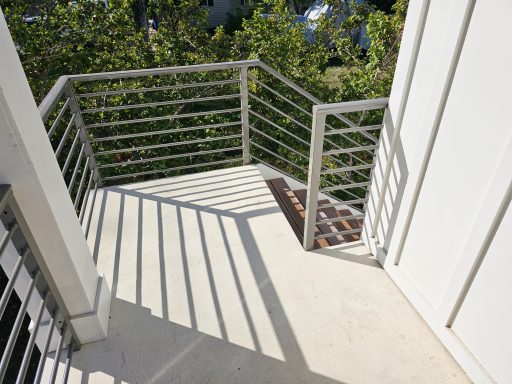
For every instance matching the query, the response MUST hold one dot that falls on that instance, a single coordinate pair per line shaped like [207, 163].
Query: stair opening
[292, 203]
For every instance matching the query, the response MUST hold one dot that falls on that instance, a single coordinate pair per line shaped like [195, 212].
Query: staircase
[292, 203]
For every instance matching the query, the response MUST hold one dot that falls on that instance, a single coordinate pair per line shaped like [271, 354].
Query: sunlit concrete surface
[210, 285]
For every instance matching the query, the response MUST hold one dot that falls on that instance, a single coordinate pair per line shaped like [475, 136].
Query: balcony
[210, 284]
[218, 223]
[228, 231]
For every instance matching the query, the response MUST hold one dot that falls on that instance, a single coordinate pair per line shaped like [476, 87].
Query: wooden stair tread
[326, 227]
[278, 190]
[350, 224]
[292, 204]
[332, 213]
[292, 208]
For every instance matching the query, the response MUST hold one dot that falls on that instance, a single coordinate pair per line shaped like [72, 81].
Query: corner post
[315, 165]
[244, 104]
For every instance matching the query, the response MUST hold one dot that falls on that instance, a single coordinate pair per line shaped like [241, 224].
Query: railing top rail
[53, 97]
[351, 106]
[163, 71]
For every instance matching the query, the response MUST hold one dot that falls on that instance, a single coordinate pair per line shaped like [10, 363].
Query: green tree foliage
[67, 39]
[370, 75]
[86, 37]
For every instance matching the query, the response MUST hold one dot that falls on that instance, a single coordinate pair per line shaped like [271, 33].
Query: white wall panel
[471, 140]
[467, 170]
[484, 320]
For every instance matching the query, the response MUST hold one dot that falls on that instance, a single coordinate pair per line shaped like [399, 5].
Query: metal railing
[118, 127]
[360, 157]
[29, 279]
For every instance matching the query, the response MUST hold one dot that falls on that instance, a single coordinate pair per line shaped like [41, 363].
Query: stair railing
[29, 278]
[128, 126]
[367, 145]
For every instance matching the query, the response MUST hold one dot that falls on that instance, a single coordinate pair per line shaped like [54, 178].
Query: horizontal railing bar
[160, 103]
[71, 152]
[58, 350]
[345, 186]
[59, 117]
[350, 150]
[160, 118]
[299, 108]
[8, 288]
[82, 182]
[332, 184]
[346, 169]
[277, 169]
[5, 195]
[351, 106]
[165, 145]
[85, 201]
[340, 233]
[299, 139]
[32, 340]
[279, 95]
[158, 89]
[302, 92]
[172, 169]
[164, 71]
[280, 112]
[91, 210]
[152, 159]
[278, 127]
[278, 142]
[46, 347]
[161, 132]
[279, 157]
[9, 233]
[77, 167]
[65, 136]
[288, 174]
[346, 202]
[289, 83]
[354, 129]
[52, 98]
[341, 218]
[15, 329]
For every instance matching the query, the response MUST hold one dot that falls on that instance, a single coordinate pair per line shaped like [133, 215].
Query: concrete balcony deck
[210, 285]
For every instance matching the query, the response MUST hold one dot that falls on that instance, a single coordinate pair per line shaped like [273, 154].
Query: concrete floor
[210, 285]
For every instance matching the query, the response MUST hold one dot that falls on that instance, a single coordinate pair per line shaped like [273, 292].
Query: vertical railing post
[315, 166]
[244, 103]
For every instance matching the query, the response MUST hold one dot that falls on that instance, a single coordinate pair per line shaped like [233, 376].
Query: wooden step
[332, 213]
[292, 209]
[292, 204]
[323, 228]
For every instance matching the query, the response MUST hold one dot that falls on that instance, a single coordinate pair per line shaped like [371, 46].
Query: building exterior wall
[218, 13]
[442, 235]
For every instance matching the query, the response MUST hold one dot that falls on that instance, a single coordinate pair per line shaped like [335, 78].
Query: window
[244, 2]
[207, 3]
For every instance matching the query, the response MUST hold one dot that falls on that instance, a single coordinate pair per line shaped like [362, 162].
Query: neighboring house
[320, 8]
[218, 10]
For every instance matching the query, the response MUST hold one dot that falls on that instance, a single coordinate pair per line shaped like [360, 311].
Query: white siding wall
[463, 185]
[217, 15]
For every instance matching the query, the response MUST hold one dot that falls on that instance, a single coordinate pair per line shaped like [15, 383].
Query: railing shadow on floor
[171, 344]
